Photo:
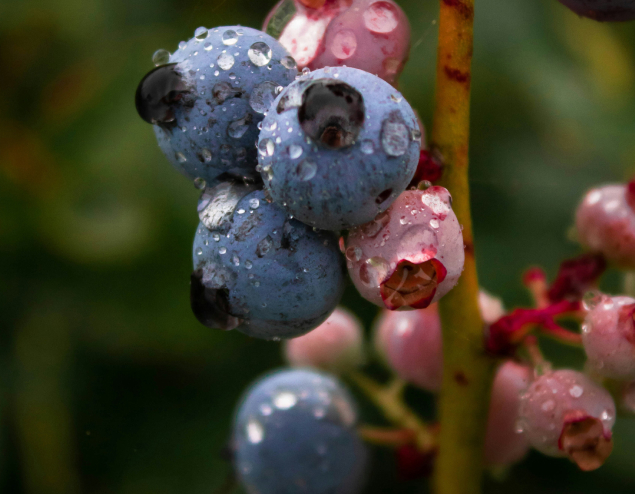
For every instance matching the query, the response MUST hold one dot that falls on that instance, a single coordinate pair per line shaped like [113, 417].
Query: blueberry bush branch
[467, 371]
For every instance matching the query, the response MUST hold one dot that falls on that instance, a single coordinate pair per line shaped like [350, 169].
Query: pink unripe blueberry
[335, 345]
[608, 335]
[503, 444]
[410, 342]
[605, 222]
[410, 255]
[563, 413]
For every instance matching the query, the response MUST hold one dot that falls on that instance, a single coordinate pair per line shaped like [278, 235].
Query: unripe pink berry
[605, 222]
[491, 307]
[564, 413]
[503, 444]
[608, 335]
[335, 345]
[410, 342]
[410, 255]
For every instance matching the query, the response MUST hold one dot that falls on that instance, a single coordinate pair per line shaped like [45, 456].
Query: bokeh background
[107, 382]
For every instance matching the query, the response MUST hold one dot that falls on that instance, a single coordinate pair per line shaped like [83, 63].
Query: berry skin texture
[369, 35]
[410, 342]
[207, 102]
[603, 10]
[565, 414]
[608, 335]
[605, 222]
[503, 444]
[338, 146]
[258, 271]
[294, 433]
[409, 256]
[336, 345]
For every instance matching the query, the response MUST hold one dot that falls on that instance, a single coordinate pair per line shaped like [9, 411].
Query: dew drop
[225, 61]
[576, 391]
[434, 223]
[592, 299]
[289, 62]
[381, 17]
[200, 183]
[230, 37]
[160, 57]
[295, 151]
[262, 96]
[199, 252]
[259, 53]
[222, 250]
[206, 154]
[344, 44]
[236, 260]
[306, 169]
[395, 137]
[248, 264]
[254, 203]
[201, 33]
[266, 147]
[367, 146]
[181, 157]
[216, 237]
[208, 46]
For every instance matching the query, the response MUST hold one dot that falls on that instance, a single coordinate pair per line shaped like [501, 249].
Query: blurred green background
[107, 382]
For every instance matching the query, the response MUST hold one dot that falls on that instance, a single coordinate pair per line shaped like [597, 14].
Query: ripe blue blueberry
[294, 432]
[338, 146]
[207, 102]
[603, 10]
[257, 270]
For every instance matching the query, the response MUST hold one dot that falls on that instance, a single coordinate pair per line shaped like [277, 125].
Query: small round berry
[564, 413]
[503, 444]
[608, 335]
[370, 35]
[207, 102]
[410, 342]
[340, 146]
[605, 222]
[491, 307]
[294, 432]
[603, 10]
[335, 345]
[409, 256]
[258, 271]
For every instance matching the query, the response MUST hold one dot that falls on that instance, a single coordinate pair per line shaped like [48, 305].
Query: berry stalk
[467, 371]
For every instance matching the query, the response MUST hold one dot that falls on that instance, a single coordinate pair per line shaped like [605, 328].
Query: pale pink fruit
[410, 342]
[605, 222]
[608, 335]
[564, 413]
[335, 345]
[503, 444]
[410, 255]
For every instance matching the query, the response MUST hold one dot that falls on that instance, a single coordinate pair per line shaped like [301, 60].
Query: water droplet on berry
[230, 37]
[592, 299]
[381, 17]
[353, 253]
[248, 264]
[295, 151]
[344, 44]
[548, 406]
[395, 137]
[208, 46]
[259, 53]
[576, 391]
[199, 252]
[373, 271]
[225, 61]
[206, 154]
[182, 45]
[367, 146]
[236, 261]
[266, 147]
[238, 128]
[396, 98]
[262, 96]
[216, 237]
[306, 170]
[158, 93]
[201, 33]
[181, 157]
[200, 183]
[289, 62]
[222, 250]
[264, 246]
[160, 57]
[434, 223]
[254, 203]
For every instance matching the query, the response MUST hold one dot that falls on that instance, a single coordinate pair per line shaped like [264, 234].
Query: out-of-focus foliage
[107, 382]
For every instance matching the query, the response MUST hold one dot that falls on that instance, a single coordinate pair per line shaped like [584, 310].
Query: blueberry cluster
[285, 161]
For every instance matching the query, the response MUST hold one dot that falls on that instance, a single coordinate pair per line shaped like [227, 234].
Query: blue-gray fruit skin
[215, 128]
[603, 10]
[264, 274]
[294, 433]
[346, 183]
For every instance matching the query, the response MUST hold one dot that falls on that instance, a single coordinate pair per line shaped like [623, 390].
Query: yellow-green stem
[467, 371]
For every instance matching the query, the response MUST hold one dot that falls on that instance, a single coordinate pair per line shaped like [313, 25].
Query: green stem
[389, 400]
[467, 371]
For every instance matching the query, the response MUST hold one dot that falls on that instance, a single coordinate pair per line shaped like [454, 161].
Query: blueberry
[603, 10]
[257, 270]
[294, 432]
[338, 146]
[207, 102]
